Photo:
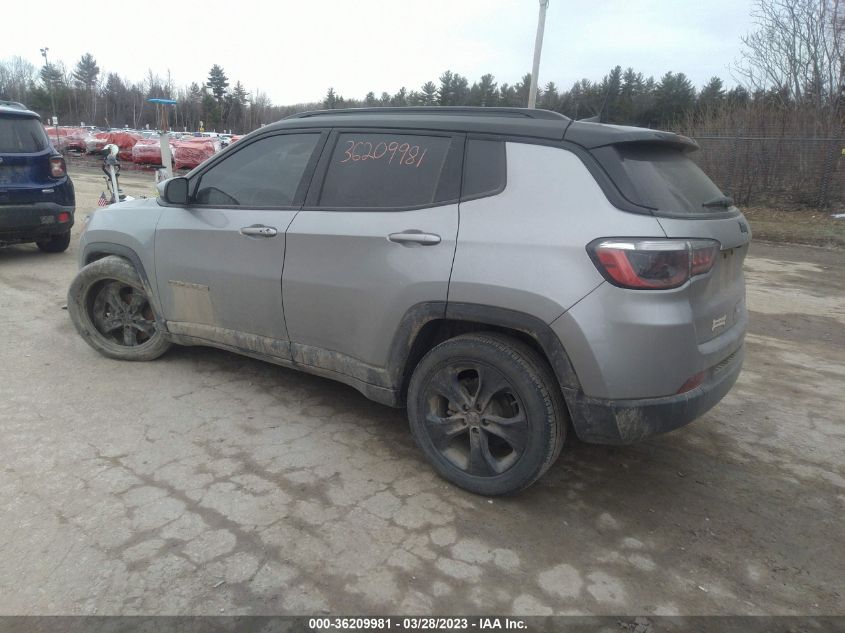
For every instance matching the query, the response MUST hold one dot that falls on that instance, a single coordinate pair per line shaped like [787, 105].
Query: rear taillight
[652, 264]
[57, 167]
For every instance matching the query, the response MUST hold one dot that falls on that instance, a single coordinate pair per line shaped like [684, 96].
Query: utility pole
[50, 88]
[538, 47]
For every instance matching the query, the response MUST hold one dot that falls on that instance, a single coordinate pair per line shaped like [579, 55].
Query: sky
[294, 51]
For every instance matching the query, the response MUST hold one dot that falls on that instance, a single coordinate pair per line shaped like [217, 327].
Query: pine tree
[445, 95]
[52, 75]
[400, 99]
[331, 100]
[85, 74]
[521, 91]
[218, 82]
[551, 98]
[485, 92]
[429, 93]
[629, 96]
[674, 95]
[211, 112]
[460, 90]
[86, 71]
[611, 87]
[239, 93]
[507, 95]
[712, 94]
[737, 96]
[236, 110]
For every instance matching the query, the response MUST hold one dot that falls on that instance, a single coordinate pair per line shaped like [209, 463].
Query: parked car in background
[509, 275]
[37, 200]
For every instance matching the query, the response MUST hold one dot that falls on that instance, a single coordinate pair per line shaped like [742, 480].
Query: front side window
[384, 170]
[21, 135]
[265, 173]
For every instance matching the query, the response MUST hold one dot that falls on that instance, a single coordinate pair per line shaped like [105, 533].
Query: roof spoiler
[593, 135]
[13, 107]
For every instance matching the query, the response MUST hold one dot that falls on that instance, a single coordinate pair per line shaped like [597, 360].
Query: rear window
[21, 135]
[660, 177]
[385, 170]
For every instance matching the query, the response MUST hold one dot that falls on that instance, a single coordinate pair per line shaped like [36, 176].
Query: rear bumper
[32, 222]
[603, 421]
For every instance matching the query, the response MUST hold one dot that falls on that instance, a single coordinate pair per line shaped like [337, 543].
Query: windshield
[21, 135]
[662, 178]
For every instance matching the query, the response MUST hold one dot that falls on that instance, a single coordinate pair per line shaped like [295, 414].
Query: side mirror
[174, 190]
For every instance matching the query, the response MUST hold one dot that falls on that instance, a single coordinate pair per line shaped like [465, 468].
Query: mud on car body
[508, 275]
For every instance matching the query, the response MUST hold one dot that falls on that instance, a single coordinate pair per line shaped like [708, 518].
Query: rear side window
[385, 170]
[265, 173]
[660, 177]
[21, 135]
[485, 169]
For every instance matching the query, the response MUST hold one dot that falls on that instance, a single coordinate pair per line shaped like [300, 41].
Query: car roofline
[17, 109]
[498, 121]
[502, 122]
[528, 113]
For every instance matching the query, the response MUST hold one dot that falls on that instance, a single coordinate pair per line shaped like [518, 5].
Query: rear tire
[112, 312]
[56, 244]
[487, 412]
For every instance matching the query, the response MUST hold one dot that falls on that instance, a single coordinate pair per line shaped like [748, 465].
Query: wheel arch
[426, 325]
[99, 250]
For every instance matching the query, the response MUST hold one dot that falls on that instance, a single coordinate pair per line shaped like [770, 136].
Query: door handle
[259, 231]
[414, 237]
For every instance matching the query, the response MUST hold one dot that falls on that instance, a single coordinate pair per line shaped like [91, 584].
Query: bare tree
[797, 52]
[17, 77]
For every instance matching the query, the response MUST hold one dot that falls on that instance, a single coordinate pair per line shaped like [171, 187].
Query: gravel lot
[207, 483]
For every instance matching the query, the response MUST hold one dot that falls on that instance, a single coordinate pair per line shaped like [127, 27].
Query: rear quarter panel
[525, 248]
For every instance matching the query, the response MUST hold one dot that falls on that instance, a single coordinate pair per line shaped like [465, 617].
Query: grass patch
[799, 226]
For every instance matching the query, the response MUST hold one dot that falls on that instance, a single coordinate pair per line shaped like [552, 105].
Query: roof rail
[445, 110]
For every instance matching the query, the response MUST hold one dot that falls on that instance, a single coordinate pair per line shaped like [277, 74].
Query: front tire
[487, 412]
[112, 312]
[56, 244]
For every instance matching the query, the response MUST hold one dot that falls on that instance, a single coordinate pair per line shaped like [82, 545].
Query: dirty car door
[375, 240]
[219, 259]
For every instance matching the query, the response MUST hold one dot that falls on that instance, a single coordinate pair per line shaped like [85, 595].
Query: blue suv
[37, 200]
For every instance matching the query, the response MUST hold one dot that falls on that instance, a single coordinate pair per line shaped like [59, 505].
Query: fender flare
[418, 316]
[97, 250]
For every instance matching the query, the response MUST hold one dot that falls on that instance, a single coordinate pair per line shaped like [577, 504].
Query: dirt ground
[208, 483]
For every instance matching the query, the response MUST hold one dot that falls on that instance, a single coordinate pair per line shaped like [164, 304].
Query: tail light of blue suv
[652, 264]
[58, 169]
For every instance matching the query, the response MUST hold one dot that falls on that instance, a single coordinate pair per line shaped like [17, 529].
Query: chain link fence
[775, 170]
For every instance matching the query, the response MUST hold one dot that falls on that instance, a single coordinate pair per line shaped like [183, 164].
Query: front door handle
[414, 237]
[259, 230]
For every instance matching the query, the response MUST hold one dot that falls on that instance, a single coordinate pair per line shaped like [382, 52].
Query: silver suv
[509, 275]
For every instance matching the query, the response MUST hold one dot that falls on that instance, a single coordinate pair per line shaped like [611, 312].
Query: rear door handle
[259, 230]
[414, 237]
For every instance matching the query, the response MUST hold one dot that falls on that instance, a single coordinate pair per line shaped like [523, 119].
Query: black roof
[524, 122]
[15, 108]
